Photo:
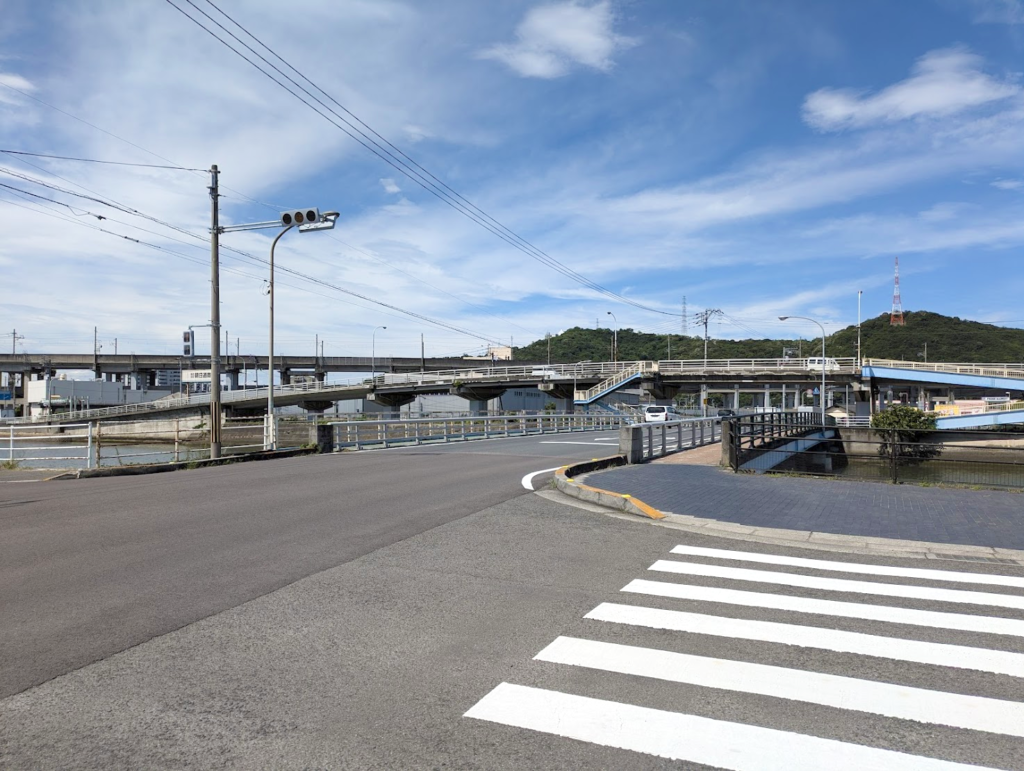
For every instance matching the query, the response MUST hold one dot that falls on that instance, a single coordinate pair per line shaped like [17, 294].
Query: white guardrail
[361, 434]
[984, 370]
[644, 441]
[94, 444]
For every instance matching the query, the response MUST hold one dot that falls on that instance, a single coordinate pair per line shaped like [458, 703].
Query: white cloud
[553, 38]
[942, 83]
[998, 11]
[390, 186]
[1008, 184]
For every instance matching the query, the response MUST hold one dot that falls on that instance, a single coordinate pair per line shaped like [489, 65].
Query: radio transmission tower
[896, 315]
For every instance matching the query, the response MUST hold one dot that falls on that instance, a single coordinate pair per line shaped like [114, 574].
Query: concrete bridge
[771, 382]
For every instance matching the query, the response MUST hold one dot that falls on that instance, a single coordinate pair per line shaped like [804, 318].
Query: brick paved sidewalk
[907, 512]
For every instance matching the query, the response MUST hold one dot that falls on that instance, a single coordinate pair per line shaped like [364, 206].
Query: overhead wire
[291, 271]
[381, 151]
[126, 209]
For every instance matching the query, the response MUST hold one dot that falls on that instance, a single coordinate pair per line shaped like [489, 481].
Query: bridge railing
[983, 370]
[360, 434]
[644, 441]
[500, 374]
[846, 364]
[616, 379]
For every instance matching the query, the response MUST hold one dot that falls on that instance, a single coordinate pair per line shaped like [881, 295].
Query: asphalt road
[92, 567]
[532, 634]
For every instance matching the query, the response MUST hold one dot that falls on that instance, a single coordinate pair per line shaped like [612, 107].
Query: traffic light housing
[188, 340]
[308, 216]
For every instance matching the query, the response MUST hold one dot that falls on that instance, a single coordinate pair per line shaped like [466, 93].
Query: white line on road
[841, 584]
[690, 738]
[588, 444]
[852, 567]
[976, 713]
[930, 618]
[937, 654]
[528, 479]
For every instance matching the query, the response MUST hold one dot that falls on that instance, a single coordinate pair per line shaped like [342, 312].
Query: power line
[291, 271]
[482, 219]
[128, 210]
[94, 160]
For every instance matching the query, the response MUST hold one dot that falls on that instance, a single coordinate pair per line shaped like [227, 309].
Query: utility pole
[115, 346]
[214, 313]
[15, 337]
[423, 355]
[704, 318]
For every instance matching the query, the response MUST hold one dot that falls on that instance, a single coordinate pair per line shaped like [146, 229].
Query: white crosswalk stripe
[983, 646]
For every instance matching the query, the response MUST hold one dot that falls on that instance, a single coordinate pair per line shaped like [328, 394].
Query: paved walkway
[844, 507]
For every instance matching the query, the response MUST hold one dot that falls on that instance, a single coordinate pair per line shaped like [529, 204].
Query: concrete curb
[891, 547]
[565, 481]
[160, 468]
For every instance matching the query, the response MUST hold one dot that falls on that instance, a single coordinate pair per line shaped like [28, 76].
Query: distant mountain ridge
[948, 338]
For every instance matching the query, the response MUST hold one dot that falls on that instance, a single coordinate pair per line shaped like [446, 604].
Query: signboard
[196, 376]
[6, 396]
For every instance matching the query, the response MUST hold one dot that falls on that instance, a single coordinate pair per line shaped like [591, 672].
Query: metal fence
[644, 441]
[973, 458]
[95, 444]
[362, 434]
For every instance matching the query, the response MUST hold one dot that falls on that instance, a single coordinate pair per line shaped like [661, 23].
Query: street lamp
[615, 338]
[373, 353]
[822, 397]
[305, 223]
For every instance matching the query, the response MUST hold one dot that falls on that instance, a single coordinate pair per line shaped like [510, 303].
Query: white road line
[588, 444]
[528, 479]
[976, 713]
[930, 618]
[937, 654]
[852, 567]
[689, 738]
[841, 584]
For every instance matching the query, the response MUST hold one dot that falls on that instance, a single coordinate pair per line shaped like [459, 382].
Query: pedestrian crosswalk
[933, 670]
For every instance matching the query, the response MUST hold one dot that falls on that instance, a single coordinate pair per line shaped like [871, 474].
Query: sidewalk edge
[565, 481]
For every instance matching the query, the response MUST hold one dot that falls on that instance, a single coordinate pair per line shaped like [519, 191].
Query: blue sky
[760, 158]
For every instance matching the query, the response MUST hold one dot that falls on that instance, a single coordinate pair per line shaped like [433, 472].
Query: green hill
[948, 339]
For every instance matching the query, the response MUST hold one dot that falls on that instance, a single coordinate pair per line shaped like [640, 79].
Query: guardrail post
[93, 449]
[10, 446]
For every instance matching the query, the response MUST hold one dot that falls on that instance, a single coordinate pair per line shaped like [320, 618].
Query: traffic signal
[300, 217]
[188, 340]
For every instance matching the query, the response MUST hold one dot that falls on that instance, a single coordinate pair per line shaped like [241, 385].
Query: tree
[902, 430]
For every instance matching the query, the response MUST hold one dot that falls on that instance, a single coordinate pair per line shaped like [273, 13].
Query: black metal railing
[971, 458]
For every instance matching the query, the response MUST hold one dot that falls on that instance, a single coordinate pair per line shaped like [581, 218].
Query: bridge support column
[767, 397]
[286, 376]
[321, 377]
[736, 397]
[477, 406]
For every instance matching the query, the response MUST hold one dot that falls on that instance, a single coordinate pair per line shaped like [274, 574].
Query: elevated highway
[772, 382]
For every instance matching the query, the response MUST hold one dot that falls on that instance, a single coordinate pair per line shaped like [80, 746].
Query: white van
[654, 413]
[815, 364]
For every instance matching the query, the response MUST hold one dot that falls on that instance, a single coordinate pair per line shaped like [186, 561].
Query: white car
[654, 413]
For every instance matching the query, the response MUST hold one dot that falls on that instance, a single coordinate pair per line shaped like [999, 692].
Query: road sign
[6, 396]
[196, 376]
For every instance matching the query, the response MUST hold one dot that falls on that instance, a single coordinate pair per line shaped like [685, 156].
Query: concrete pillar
[286, 377]
[233, 380]
[477, 407]
[783, 402]
[321, 377]
[767, 396]
[736, 397]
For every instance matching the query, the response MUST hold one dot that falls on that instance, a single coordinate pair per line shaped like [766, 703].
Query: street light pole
[822, 396]
[271, 437]
[373, 353]
[615, 338]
